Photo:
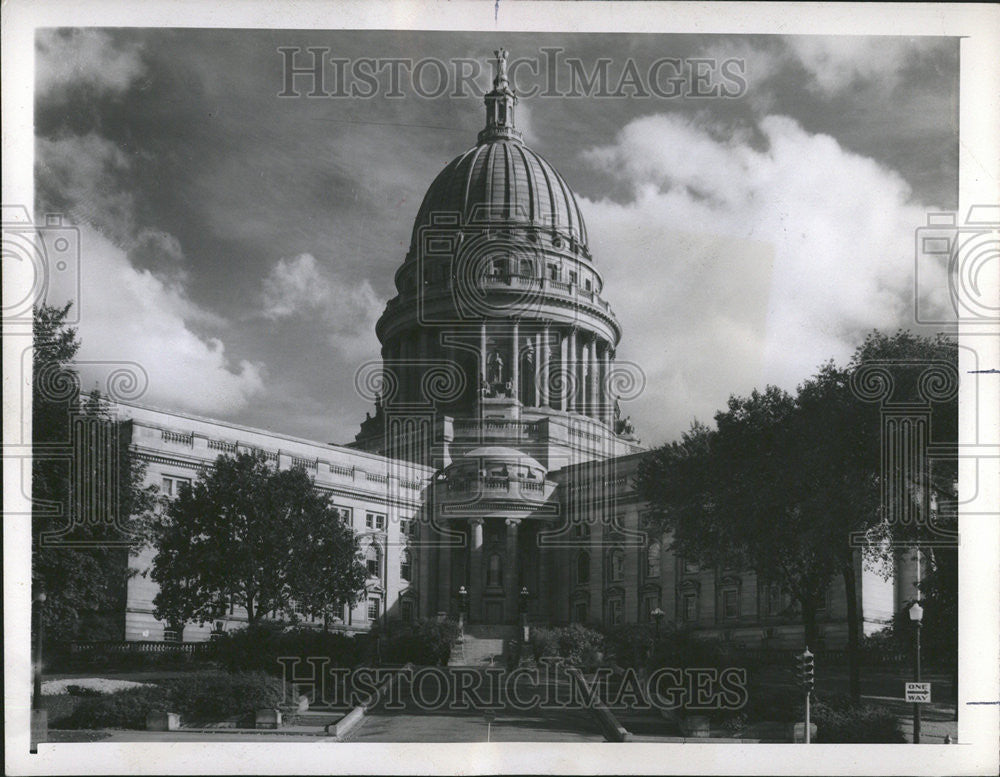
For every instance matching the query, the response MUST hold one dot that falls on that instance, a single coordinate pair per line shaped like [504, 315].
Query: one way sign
[918, 693]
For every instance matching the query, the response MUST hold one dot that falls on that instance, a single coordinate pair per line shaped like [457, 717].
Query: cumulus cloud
[300, 288]
[839, 62]
[84, 174]
[70, 57]
[774, 260]
[128, 314]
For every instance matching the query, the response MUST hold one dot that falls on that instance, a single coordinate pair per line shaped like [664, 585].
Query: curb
[613, 730]
[356, 716]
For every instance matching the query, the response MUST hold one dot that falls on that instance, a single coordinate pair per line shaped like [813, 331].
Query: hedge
[208, 698]
[258, 648]
[425, 642]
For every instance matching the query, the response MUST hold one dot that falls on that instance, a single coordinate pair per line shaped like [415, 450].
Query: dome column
[573, 369]
[515, 364]
[563, 369]
[593, 410]
[542, 367]
[605, 381]
[481, 381]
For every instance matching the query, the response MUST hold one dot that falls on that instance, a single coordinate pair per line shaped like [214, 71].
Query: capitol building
[495, 472]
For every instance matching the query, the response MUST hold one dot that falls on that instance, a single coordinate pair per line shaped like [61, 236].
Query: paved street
[413, 724]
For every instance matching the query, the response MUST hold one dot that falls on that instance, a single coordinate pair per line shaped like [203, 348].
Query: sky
[240, 245]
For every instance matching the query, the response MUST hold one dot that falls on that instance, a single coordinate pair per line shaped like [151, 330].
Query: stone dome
[504, 184]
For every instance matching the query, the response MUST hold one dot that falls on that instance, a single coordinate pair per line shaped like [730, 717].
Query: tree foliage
[248, 535]
[791, 486]
[89, 506]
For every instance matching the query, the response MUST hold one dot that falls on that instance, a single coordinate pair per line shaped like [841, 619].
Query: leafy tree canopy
[262, 539]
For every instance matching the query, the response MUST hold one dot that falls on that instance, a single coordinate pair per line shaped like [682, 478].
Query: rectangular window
[572, 276]
[730, 604]
[171, 486]
[615, 611]
[406, 608]
[554, 272]
[587, 284]
[344, 513]
[374, 606]
[773, 600]
[690, 566]
[375, 521]
[690, 607]
[369, 521]
[580, 612]
[404, 527]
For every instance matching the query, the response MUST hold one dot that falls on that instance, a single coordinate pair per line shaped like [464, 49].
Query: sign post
[918, 693]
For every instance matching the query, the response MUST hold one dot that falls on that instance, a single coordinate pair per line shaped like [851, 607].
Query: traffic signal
[806, 670]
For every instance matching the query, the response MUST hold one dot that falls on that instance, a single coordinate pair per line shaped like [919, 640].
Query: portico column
[476, 569]
[511, 584]
[515, 364]
[480, 381]
[445, 591]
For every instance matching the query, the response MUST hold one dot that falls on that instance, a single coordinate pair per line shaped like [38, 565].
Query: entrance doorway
[494, 612]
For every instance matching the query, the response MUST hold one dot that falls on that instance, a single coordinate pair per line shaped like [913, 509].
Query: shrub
[847, 723]
[81, 690]
[258, 648]
[209, 697]
[630, 644]
[781, 705]
[426, 642]
[680, 649]
[576, 644]
[124, 709]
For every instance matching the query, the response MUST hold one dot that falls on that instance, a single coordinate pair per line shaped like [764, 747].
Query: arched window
[404, 564]
[616, 565]
[373, 560]
[583, 568]
[494, 571]
[653, 560]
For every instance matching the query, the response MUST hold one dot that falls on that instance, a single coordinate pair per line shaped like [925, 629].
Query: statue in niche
[494, 369]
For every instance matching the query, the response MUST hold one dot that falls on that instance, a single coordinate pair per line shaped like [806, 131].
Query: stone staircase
[481, 645]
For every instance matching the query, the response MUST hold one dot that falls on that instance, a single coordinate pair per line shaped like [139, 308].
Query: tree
[791, 487]
[82, 535]
[248, 535]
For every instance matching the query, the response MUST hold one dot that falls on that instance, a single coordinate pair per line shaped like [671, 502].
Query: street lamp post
[463, 602]
[37, 689]
[917, 616]
[657, 614]
[523, 600]
[39, 717]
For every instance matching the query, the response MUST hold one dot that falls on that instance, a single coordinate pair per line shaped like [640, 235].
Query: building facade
[497, 474]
